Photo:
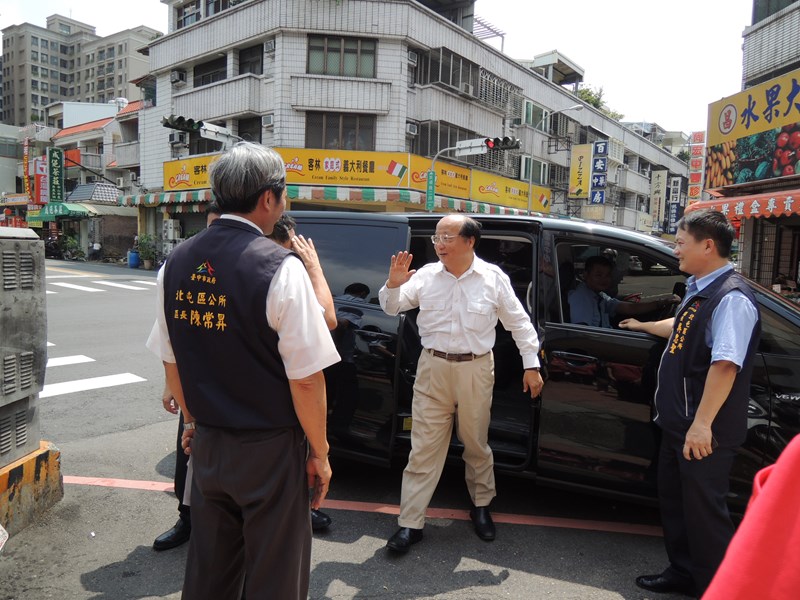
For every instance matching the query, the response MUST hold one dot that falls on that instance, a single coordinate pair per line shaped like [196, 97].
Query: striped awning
[402, 196]
[157, 199]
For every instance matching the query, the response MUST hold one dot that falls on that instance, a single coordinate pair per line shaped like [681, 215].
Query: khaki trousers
[445, 391]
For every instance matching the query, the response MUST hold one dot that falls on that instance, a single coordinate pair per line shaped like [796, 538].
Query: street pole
[430, 194]
[530, 173]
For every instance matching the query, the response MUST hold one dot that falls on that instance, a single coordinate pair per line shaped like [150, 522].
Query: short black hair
[212, 208]
[357, 289]
[280, 232]
[597, 261]
[471, 229]
[710, 224]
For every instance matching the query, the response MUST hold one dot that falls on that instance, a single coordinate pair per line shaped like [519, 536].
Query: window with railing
[187, 14]
[251, 60]
[342, 131]
[215, 6]
[342, 56]
[250, 129]
[444, 67]
[211, 71]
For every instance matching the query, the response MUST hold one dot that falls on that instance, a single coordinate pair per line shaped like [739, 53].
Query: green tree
[683, 155]
[594, 97]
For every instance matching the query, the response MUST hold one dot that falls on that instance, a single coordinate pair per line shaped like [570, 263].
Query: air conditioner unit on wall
[412, 128]
[120, 182]
[177, 77]
[267, 120]
[177, 138]
[466, 88]
[269, 46]
[413, 57]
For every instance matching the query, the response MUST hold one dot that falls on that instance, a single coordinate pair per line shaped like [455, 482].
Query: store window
[251, 60]
[343, 131]
[211, 71]
[342, 56]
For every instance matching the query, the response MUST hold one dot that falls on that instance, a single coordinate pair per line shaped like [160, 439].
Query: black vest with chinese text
[687, 359]
[215, 301]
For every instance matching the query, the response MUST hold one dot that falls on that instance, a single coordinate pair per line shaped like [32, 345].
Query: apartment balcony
[346, 94]
[241, 94]
[634, 219]
[633, 181]
[126, 154]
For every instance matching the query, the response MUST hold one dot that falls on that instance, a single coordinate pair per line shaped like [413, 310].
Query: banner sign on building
[346, 167]
[697, 142]
[496, 189]
[755, 134]
[187, 173]
[451, 180]
[41, 185]
[579, 171]
[658, 198]
[674, 208]
[25, 166]
[55, 174]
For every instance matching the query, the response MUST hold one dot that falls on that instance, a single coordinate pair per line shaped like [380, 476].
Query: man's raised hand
[398, 270]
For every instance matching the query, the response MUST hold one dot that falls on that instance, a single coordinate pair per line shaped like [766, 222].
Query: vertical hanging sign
[25, 166]
[55, 172]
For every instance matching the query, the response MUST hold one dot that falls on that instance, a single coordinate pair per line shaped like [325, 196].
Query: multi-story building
[759, 128]
[335, 86]
[67, 61]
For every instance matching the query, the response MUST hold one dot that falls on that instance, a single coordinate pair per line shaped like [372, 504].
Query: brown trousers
[445, 391]
[249, 515]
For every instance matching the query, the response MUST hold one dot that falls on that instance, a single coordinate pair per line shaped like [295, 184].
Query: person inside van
[590, 304]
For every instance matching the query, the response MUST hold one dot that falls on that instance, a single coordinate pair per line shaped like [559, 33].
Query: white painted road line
[68, 360]
[72, 286]
[119, 285]
[50, 343]
[67, 276]
[49, 292]
[151, 282]
[94, 383]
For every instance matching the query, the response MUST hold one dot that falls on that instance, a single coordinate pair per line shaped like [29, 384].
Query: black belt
[454, 357]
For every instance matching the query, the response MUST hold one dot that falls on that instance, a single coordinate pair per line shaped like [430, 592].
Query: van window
[633, 276]
[354, 253]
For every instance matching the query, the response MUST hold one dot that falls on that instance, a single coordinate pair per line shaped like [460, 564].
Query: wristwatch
[532, 368]
[189, 426]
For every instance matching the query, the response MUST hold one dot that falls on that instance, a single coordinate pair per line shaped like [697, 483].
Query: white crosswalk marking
[93, 383]
[119, 285]
[72, 286]
[50, 344]
[68, 360]
[150, 282]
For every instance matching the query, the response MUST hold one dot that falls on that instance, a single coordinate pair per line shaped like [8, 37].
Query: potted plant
[147, 250]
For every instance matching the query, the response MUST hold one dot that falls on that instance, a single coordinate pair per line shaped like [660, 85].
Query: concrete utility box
[23, 341]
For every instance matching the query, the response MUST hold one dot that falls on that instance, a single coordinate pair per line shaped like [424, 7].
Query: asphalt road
[117, 446]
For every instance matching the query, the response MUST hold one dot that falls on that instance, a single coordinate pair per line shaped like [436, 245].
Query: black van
[591, 428]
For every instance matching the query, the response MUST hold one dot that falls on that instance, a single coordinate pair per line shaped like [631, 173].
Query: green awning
[50, 211]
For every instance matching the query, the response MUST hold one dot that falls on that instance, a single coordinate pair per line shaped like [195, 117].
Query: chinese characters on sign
[696, 154]
[599, 172]
[674, 206]
[658, 190]
[55, 174]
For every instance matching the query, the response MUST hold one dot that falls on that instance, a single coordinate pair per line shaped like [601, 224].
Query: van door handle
[373, 336]
[576, 360]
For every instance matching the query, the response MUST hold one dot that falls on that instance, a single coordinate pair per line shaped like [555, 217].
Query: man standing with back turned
[244, 343]
[460, 299]
[701, 402]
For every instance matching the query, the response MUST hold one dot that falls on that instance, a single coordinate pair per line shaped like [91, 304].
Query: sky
[662, 62]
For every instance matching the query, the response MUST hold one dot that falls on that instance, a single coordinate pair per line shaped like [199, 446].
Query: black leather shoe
[664, 584]
[482, 519]
[402, 540]
[174, 537]
[319, 520]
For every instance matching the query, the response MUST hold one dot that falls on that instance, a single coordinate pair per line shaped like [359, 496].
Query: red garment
[763, 558]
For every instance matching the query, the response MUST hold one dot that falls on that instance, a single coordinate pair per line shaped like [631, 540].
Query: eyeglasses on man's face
[443, 238]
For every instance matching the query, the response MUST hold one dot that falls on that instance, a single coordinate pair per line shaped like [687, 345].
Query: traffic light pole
[430, 196]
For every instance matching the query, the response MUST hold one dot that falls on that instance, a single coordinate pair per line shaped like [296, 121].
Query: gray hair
[243, 173]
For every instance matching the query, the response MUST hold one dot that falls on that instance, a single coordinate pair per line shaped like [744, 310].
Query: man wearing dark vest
[244, 343]
[701, 402]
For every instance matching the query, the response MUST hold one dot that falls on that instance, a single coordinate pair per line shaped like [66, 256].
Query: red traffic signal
[501, 143]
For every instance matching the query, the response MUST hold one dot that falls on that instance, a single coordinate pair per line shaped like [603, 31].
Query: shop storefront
[751, 169]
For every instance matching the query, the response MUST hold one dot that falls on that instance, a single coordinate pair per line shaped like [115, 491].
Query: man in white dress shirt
[460, 299]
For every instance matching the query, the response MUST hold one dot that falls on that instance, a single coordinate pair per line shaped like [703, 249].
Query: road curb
[29, 486]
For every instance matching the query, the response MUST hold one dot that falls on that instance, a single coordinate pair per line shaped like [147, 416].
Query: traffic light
[501, 143]
[181, 123]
